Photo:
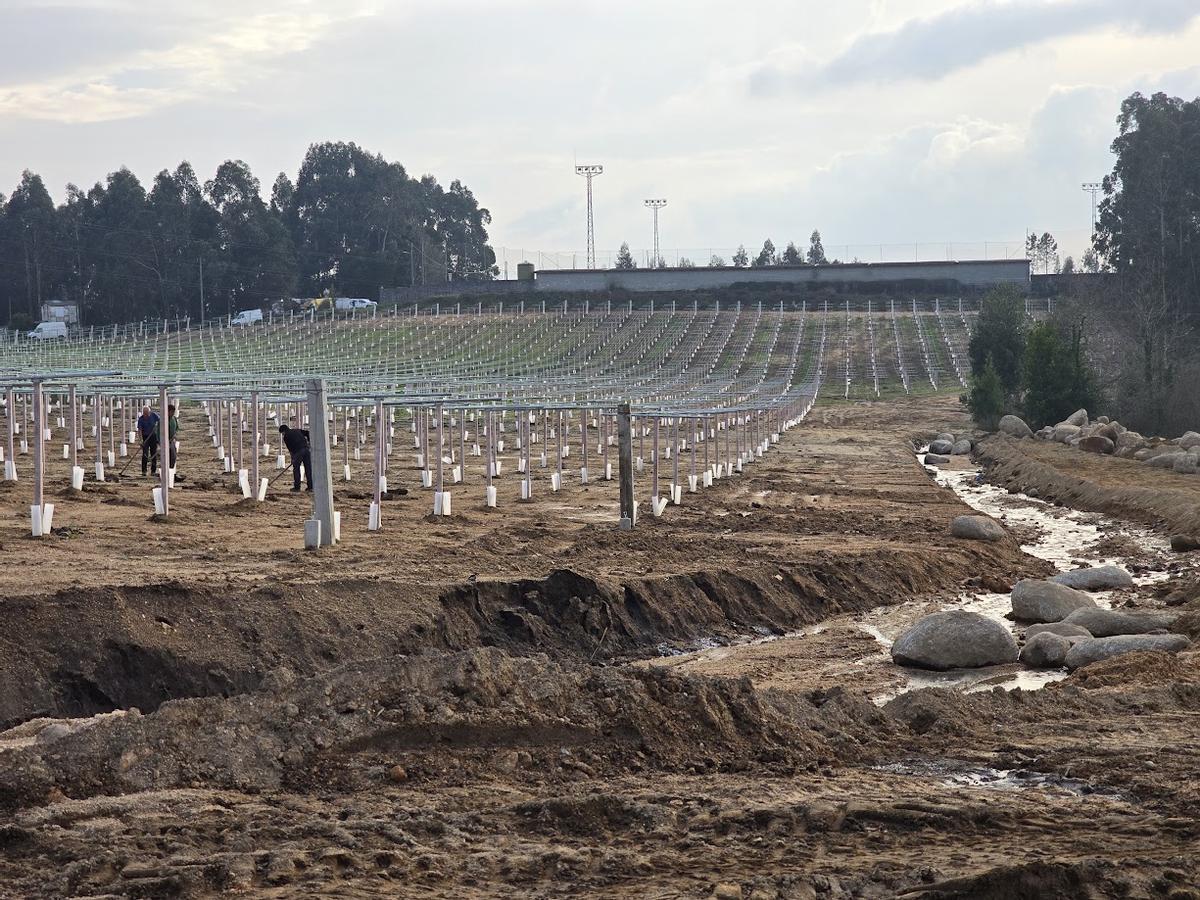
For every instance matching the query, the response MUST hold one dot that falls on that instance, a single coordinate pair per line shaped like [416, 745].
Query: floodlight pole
[1093, 188]
[589, 172]
[654, 206]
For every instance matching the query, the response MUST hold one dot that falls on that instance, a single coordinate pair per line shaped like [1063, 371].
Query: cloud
[933, 47]
[216, 54]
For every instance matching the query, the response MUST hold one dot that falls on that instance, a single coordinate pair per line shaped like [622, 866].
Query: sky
[899, 128]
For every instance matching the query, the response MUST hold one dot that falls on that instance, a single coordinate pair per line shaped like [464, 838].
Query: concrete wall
[971, 274]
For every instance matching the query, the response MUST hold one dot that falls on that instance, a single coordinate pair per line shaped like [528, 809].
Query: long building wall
[968, 274]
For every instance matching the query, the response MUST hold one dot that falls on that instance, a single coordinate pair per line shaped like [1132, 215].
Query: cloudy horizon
[938, 124]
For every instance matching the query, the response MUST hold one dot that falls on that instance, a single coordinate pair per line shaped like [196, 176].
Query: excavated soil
[468, 707]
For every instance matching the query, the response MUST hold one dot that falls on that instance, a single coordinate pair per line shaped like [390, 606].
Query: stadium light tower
[655, 206]
[1093, 188]
[590, 172]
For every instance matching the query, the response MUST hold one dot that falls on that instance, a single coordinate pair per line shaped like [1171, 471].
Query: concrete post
[322, 476]
[257, 425]
[625, 464]
[164, 450]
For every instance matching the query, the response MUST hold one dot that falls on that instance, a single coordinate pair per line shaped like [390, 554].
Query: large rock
[955, 639]
[1189, 440]
[1129, 442]
[1096, 578]
[1111, 430]
[976, 528]
[1185, 543]
[1096, 649]
[1062, 629]
[945, 436]
[1046, 651]
[1188, 464]
[961, 447]
[942, 447]
[933, 459]
[1065, 433]
[1167, 460]
[1079, 418]
[1046, 601]
[1109, 622]
[1097, 443]
[1015, 426]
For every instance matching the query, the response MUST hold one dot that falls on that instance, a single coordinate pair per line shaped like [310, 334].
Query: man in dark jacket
[147, 426]
[296, 441]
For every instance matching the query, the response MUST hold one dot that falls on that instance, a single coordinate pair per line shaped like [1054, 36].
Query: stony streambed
[1063, 537]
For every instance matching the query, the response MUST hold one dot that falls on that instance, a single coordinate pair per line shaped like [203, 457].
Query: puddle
[957, 773]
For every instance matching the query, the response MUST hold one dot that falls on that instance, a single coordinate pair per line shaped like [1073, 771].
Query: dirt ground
[495, 705]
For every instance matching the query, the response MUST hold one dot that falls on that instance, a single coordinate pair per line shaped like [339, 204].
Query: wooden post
[319, 458]
[625, 464]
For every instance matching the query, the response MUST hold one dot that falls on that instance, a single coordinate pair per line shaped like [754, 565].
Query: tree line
[1128, 341]
[768, 256]
[350, 222]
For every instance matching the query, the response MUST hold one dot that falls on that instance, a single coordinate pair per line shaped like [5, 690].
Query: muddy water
[1063, 537]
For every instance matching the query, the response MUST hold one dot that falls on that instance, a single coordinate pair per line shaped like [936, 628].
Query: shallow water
[957, 773]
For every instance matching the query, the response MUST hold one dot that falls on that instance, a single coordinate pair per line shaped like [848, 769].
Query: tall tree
[999, 337]
[816, 250]
[30, 227]
[791, 255]
[1149, 225]
[766, 256]
[625, 259]
[741, 258]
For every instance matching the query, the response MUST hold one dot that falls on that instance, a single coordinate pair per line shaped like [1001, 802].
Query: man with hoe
[296, 440]
[147, 426]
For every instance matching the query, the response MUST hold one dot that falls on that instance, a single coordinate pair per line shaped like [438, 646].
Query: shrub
[1056, 376]
[999, 336]
[986, 399]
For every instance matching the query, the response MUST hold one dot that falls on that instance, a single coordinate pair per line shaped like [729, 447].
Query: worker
[147, 426]
[296, 440]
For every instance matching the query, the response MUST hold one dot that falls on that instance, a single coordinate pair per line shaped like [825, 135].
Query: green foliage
[1147, 229]
[625, 259]
[1056, 376]
[999, 336]
[791, 255]
[986, 399]
[351, 222]
[1042, 252]
[816, 250]
[766, 256]
[741, 259]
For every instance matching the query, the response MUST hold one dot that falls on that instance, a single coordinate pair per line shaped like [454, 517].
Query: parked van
[349, 304]
[48, 330]
[247, 317]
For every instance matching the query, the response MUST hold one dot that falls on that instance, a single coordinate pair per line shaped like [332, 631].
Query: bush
[1057, 378]
[986, 400]
[999, 337]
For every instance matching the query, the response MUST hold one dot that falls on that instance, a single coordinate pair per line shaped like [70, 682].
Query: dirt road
[467, 707]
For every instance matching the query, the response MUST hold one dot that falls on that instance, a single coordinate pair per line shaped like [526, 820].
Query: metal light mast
[655, 206]
[590, 172]
[1093, 188]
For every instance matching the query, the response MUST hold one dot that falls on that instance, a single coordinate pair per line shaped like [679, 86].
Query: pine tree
[625, 259]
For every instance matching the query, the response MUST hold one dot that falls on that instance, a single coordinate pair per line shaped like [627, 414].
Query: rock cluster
[1111, 438]
[1068, 628]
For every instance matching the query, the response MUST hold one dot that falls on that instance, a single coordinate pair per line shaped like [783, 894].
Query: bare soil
[488, 706]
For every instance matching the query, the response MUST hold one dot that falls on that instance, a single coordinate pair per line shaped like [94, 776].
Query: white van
[349, 304]
[48, 330]
[247, 317]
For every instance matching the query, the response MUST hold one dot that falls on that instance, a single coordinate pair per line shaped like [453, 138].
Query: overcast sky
[894, 122]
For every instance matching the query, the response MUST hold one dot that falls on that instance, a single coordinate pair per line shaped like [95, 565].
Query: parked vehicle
[319, 304]
[247, 317]
[349, 304]
[49, 330]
